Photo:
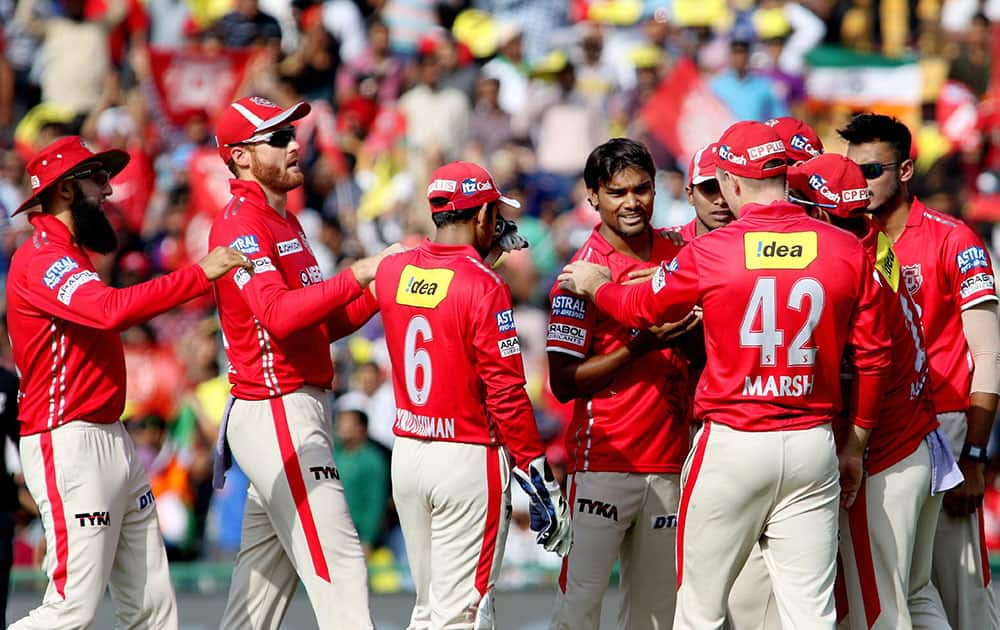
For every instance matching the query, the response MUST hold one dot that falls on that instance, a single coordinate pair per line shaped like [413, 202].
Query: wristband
[975, 453]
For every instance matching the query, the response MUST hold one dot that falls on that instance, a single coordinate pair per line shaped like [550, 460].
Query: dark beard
[93, 230]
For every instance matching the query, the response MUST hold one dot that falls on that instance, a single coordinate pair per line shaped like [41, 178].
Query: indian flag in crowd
[839, 76]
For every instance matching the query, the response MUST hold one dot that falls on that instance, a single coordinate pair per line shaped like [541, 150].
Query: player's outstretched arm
[61, 285]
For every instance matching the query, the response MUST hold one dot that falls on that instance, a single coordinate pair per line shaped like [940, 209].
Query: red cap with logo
[746, 147]
[702, 168]
[830, 181]
[65, 156]
[250, 117]
[464, 185]
[801, 141]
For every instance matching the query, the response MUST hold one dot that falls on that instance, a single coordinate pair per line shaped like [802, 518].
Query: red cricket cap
[65, 156]
[801, 141]
[703, 162]
[464, 185]
[252, 116]
[747, 146]
[830, 181]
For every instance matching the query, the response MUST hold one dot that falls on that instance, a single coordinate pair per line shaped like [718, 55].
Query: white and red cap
[65, 156]
[747, 146]
[464, 185]
[801, 141]
[703, 163]
[252, 116]
[831, 181]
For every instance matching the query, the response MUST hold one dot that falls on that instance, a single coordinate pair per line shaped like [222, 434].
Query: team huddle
[780, 413]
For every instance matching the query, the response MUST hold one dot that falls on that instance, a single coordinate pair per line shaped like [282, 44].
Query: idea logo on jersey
[425, 288]
[779, 250]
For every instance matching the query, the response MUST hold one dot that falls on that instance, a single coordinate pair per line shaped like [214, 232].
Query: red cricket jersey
[907, 414]
[278, 322]
[456, 360]
[947, 270]
[638, 423]
[782, 295]
[64, 325]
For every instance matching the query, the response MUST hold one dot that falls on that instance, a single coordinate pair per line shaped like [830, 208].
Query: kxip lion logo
[912, 278]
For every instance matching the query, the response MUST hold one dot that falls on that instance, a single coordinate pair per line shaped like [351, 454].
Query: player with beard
[629, 434]
[79, 463]
[947, 271]
[278, 325]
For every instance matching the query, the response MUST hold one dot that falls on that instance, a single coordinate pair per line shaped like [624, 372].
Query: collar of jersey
[440, 249]
[773, 210]
[916, 216]
[250, 192]
[51, 227]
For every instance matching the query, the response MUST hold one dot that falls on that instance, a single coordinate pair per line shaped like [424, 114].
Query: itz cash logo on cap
[801, 141]
[830, 181]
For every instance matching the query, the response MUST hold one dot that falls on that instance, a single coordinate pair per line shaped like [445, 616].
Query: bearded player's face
[276, 168]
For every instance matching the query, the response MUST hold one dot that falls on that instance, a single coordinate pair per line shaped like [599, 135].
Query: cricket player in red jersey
[887, 536]
[948, 273]
[461, 408]
[629, 434]
[764, 468]
[278, 325]
[710, 208]
[801, 141]
[79, 463]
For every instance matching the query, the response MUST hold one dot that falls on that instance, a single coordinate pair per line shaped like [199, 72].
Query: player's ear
[906, 170]
[592, 199]
[241, 156]
[690, 193]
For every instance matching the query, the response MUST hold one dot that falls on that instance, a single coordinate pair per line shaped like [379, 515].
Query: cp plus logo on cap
[726, 154]
[855, 194]
[761, 151]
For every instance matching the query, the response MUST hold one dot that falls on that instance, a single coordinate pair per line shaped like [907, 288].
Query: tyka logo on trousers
[600, 508]
[324, 472]
[93, 519]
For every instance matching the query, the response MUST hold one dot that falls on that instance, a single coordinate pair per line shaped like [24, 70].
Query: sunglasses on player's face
[99, 176]
[874, 170]
[278, 139]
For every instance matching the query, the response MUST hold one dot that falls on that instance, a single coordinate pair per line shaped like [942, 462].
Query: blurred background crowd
[398, 87]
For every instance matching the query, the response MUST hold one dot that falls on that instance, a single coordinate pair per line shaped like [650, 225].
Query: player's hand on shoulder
[221, 260]
[548, 508]
[364, 269]
[665, 335]
[583, 278]
[673, 237]
[641, 275]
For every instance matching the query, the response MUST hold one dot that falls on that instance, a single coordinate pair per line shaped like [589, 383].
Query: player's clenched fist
[583, 278]
[549, 510]
[222, 259]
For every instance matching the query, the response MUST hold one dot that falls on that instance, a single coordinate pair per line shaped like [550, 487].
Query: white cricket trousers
[780, 488]
[961, 566]
[296, 524]
[886, 543]
[626, 516]
[453, 501]
[101, 529]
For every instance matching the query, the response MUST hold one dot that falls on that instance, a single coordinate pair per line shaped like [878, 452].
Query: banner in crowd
[684, 114]
[191, 81]
[840, 76]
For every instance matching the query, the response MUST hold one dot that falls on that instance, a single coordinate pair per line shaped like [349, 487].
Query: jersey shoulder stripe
[489, 272]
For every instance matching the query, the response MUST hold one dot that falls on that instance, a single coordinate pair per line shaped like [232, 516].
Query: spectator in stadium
[363, 469]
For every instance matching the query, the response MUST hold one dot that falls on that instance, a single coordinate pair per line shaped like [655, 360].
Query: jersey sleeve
[353, 316]
[669, 296]
[500, 366]
[967, 268]
[61, 284]
[571, 324]
[871, 347]
[279, 308]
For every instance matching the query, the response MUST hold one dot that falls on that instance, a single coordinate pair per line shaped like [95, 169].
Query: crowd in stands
[398, 87]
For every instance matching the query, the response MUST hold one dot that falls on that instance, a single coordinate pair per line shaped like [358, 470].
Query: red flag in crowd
[191, 81]
[683, 113]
